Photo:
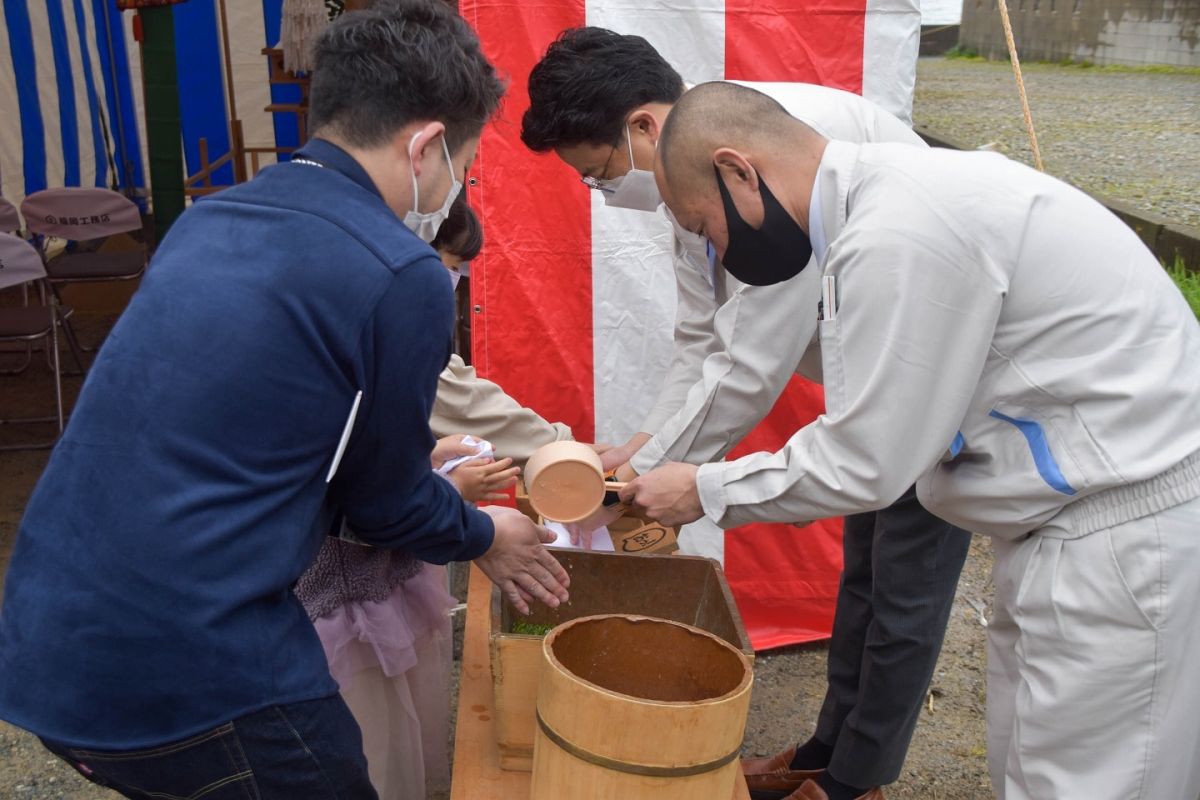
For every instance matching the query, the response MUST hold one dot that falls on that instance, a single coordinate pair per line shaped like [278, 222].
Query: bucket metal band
[624, 766]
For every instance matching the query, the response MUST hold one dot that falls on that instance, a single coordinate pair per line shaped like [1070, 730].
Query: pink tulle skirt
[392, 662]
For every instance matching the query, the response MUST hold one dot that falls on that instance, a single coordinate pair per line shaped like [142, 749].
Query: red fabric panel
[812, 41]
[784, 578]
[533, 280]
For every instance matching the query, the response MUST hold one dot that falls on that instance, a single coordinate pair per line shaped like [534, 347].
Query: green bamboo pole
[163, 132]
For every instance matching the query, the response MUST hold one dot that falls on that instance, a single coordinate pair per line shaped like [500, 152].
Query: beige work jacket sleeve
[469, 404]
[761, 334]
[902, 360]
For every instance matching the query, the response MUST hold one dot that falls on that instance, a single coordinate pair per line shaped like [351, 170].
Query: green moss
[530, 629]
[1154, 69]
[963, 53]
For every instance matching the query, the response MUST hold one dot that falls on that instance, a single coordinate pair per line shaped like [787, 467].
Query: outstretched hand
[614, 457]
[581, 532]
[485, 480]
[519, 563]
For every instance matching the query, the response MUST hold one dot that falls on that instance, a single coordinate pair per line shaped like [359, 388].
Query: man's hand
[668, 494]
[484, 480]
[616, 456]
[519, 564]
[450, 447]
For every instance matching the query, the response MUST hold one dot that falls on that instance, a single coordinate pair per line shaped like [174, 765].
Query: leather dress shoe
[773, 776]
[810, 790]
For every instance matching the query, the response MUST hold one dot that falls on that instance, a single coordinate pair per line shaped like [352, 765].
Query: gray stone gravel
[1132, 136]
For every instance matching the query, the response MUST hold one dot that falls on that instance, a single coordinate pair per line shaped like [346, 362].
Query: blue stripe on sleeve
[1043, 459]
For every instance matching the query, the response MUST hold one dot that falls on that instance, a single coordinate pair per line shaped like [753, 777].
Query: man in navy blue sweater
[149, 634]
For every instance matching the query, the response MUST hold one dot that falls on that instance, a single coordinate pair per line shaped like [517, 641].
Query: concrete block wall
[1128, 32]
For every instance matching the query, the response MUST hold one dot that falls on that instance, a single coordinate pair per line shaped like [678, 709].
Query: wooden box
[686, 589]
[630, 534]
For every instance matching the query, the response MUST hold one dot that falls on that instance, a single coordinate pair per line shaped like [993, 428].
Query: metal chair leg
[59, 417]
[69, 333]
[58, 393]
[74, 346]
[28, 360]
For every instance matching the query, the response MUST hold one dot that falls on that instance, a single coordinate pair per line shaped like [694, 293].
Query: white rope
[1016, 65]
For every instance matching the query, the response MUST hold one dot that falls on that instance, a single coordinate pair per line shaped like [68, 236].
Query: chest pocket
[833, 366]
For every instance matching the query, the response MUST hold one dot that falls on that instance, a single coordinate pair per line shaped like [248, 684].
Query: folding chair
[10, 221]
[21, 265]
[84, 218]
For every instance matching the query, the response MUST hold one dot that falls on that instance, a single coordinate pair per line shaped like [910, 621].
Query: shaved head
[747, 137]
[715, 115]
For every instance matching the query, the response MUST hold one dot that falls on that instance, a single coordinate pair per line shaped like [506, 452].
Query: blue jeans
[300, 751]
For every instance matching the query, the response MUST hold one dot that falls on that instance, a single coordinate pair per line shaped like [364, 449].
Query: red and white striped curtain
[574, 302]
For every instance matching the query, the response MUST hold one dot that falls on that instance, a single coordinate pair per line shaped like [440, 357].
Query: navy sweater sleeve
[385, 485]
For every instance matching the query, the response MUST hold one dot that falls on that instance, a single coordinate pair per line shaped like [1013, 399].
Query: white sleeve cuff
[710, 484]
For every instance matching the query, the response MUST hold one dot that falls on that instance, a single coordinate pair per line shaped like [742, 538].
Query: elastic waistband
[1122, 504]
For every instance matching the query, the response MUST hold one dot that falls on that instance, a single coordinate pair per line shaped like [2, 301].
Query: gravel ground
[1127, 135]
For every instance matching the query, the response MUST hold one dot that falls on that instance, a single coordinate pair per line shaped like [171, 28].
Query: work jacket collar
[831, 192]
[329, 155]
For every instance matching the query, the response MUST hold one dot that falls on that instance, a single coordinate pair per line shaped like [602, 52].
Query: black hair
[399, 61]
[587, 83]
[461, 234]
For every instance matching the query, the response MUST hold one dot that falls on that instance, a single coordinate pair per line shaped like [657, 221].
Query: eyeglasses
[601, 183]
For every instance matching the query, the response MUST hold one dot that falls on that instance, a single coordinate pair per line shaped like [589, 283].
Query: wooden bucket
[638, 708]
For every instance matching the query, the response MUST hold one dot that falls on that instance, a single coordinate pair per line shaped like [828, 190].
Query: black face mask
[777, 251]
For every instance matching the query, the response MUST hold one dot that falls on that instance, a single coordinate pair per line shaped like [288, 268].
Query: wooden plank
[477, 774]
[516, 664]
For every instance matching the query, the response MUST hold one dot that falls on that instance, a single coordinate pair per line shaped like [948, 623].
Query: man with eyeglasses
[599, 100]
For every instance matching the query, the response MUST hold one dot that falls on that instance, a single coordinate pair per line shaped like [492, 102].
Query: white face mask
[426, 225]
[635, 189]
[455, 276]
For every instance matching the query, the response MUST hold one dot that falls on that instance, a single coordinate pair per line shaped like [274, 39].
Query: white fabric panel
[247, 37]
[941, 12]
[83, 109]
[47, 87]
[633, 306]
[891, 36]
[633, 282]
[12, 176]
[690, 34]
[135, 78]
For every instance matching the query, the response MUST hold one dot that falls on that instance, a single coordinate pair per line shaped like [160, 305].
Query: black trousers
[901, 570]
